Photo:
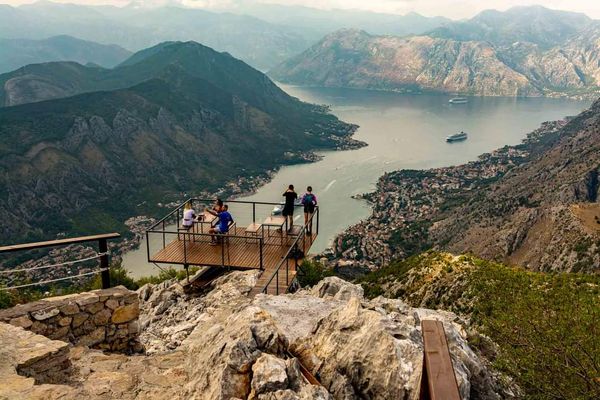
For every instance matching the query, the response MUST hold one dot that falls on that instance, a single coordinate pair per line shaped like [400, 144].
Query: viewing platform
[258, 238]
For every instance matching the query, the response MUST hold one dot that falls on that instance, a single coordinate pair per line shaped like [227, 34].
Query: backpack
[309, 198]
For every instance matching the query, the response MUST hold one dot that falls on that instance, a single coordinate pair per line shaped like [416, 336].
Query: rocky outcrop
[105, 319]
[225, 345]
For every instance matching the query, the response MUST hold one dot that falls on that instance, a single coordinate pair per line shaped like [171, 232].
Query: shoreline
[407, 199]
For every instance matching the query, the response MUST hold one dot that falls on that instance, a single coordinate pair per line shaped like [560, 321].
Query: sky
[455, 9]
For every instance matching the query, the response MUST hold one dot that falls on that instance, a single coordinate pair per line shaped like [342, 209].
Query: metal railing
[286, 259]
[102, 255]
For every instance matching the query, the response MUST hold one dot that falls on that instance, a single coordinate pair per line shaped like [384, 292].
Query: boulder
[268, 375]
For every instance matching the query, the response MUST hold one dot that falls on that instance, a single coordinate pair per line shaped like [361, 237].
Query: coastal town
[406, 201]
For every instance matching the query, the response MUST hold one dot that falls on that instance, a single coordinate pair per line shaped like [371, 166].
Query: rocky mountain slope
[532, 24]
[16, 53]
[534, 205]
[223, 345]
[182, 119]
[552, 317]
[494, 54]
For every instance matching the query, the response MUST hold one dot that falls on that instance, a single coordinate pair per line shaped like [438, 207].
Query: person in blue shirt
[225, 219]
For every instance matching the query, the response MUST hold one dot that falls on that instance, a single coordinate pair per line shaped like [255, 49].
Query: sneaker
[213, 243]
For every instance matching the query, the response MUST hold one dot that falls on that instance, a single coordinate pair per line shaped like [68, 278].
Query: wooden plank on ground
[438, 380]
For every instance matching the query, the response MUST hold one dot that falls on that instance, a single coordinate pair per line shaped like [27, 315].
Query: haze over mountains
[525, 51]
[182, 118]
[15, 53]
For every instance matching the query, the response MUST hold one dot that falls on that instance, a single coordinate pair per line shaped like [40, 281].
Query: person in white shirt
[189, 216]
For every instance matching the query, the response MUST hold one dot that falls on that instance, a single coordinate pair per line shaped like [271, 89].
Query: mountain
[323, 22]
[536, 205]
[260, 43]
[351, 58]
[533, 24]
[183, 119]
[16, 53]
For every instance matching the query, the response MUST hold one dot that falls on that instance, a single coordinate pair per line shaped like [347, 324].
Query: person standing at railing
[309, 201]
[288, 209]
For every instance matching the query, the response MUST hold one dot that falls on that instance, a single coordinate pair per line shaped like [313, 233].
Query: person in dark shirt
[288, 209]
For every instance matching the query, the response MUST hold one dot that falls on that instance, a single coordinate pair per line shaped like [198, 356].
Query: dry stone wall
[33, 356]
[104, 319]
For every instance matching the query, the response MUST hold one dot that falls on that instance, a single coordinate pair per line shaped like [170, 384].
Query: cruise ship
[458, 100]
[457, 137]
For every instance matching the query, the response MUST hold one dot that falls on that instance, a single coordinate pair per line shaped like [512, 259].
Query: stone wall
[105, 319]
[32, 356]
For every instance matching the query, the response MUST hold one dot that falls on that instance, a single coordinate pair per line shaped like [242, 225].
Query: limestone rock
[125, 313]
[45, 314]
[223, 345]
[268, 375]
[23, 322]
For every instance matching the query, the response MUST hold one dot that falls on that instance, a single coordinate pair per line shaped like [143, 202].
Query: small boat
[277, 210]
[457, 137]
[458, 100]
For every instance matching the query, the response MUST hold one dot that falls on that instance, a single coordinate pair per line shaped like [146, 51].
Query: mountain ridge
[174, 122]
[16, 53]
[504, 59]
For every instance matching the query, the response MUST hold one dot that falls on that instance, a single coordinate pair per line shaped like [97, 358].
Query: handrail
[57, 242]
[285, 258]
[200, 200]
[201, 234]
[103, 255]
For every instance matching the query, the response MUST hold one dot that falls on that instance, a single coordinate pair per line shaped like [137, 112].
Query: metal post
[277, 283]
[317, 220]
[184, 249]
[163, 229]
[148, 244]
[253, 213]
[222, 251]
[260, 242]
[187, 272]
[105, 274]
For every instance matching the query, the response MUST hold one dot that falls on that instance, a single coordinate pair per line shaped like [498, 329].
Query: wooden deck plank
[439, 380]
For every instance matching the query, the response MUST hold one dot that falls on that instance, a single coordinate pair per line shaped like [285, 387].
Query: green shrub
[311, 272]
[547, 327]
[165, 275]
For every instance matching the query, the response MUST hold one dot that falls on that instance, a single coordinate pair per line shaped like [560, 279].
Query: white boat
[458, 100]
[457, 137]
[277, 210]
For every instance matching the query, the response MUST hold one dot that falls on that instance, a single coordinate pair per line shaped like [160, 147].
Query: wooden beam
[59, 242]
[438, 381]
